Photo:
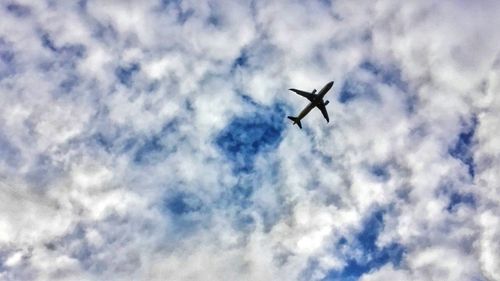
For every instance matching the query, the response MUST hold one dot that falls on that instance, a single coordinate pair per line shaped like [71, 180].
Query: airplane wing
[306, 95]
[322, 107]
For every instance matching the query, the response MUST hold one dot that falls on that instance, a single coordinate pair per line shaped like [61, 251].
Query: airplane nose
[328, 86]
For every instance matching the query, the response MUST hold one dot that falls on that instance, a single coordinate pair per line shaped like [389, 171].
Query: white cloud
[112, 117]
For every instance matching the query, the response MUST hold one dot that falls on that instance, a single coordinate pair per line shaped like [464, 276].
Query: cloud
[147, 139]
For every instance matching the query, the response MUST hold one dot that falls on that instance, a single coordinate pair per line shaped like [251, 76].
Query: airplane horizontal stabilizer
[295, 121]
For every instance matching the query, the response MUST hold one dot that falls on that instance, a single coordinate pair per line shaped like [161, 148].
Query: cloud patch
[144, 139]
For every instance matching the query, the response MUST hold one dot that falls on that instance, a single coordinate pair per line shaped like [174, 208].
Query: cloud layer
[148, 140]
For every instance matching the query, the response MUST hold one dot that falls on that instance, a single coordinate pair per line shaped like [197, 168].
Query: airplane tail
[295, 121]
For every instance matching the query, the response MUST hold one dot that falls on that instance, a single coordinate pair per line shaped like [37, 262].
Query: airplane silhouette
[316, 100]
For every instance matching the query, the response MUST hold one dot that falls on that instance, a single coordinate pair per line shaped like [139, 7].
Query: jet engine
[314, 91]
[326, 102]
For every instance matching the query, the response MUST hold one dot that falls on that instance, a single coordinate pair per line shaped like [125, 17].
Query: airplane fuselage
[306, 110]
[316, 101]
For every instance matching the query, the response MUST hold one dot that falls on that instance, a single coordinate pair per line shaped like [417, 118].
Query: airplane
[316, 100]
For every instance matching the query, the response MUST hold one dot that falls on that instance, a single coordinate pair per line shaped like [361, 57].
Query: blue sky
[148, 140]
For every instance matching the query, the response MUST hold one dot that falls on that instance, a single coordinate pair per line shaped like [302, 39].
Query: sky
[148, 140]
